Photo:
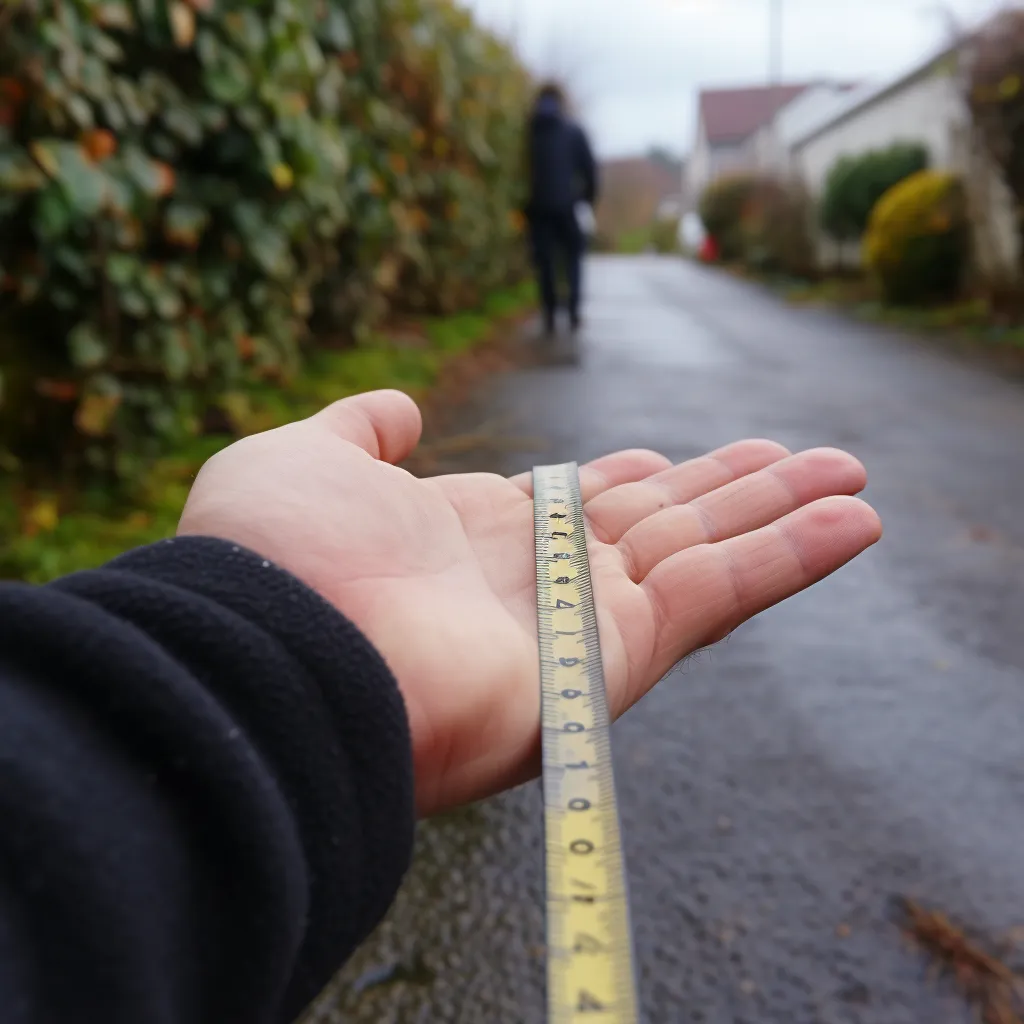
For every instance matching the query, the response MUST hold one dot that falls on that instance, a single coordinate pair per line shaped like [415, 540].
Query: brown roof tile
[734, 114]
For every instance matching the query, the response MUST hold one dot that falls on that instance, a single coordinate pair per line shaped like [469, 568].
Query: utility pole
[775, 42]
[775, 69]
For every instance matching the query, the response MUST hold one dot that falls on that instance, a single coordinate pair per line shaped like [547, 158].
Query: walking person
[562, 174]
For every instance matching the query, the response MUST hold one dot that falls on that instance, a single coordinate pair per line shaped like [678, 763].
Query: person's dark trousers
[556, 239]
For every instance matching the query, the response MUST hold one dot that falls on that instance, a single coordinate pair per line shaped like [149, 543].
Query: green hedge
[192, 192]
[46, 532]
[722, 206]
[856, 183]
[760, 222]
[776, 230]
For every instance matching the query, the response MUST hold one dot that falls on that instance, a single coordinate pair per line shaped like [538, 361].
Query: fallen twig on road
[987, 981]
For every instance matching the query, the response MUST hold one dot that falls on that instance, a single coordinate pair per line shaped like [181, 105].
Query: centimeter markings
[590, 945]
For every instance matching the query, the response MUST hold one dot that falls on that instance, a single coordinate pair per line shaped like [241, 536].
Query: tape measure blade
[590, 949]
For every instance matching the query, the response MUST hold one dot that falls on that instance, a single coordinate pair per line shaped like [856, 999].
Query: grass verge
[44, 534]
[971, 320]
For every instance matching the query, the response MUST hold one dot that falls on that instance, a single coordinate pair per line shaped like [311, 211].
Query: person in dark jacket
[213, 749]
[562, 173]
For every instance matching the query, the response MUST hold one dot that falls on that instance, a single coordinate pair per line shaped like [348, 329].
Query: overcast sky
[637, 65]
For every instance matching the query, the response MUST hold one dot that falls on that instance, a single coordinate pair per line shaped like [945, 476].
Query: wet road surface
[860, 743]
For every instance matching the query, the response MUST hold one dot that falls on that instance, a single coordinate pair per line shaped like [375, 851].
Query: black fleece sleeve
[206, 795]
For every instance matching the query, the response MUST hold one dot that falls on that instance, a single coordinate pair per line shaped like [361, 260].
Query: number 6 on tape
[590, 946]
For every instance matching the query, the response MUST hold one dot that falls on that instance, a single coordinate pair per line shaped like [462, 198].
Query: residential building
[729, 132]
[924, 104]
[792, 121]
[633, 193]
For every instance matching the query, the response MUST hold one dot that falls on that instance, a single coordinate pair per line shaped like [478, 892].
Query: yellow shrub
[917, 239]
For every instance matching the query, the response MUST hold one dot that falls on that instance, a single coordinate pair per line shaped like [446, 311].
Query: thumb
[386, 424]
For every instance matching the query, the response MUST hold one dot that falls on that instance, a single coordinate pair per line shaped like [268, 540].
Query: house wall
[795, 119]
[763, 149]
[729, 157]
[708, 162]
[927, 109]
[766, 150]
[698, 166]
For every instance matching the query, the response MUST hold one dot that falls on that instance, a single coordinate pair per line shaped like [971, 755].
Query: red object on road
[709, 250]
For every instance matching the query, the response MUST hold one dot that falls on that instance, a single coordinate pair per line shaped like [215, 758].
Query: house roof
[873, 92]
[731, 115]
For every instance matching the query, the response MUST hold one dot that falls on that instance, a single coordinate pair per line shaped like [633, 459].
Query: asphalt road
[860, 743]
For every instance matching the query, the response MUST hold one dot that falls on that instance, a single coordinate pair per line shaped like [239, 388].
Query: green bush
[665, 235]
[760, 222]
[776, 230]
[721, 209]
[44, 533]
[183, 184]
[440, 114]
[856, 183]
[633, 242]
[917, 240]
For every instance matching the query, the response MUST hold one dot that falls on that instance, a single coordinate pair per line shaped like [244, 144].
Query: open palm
[439, 573]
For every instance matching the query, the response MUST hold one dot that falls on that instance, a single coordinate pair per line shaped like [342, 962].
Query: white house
[729, 132]
[812, 107]
[753, 129]
[925, 105]
[921, 105]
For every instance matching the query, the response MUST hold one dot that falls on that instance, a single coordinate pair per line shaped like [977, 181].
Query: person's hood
[547, 110]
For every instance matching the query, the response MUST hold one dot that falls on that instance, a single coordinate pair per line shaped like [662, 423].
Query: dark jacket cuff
[317, 701]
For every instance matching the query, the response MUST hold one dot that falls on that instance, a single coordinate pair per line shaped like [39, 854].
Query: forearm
[206, 791]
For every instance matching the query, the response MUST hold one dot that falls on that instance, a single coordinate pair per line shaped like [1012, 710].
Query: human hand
[439, 573]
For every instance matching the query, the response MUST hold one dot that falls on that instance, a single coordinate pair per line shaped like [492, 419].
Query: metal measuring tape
[590, 947]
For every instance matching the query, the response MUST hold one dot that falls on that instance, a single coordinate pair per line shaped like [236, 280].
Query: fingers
[387, 424]
[608, 471]
[702, 594]
[746, 504]
[614, 511]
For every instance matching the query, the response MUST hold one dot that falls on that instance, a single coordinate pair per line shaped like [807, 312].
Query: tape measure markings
[590, 955]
